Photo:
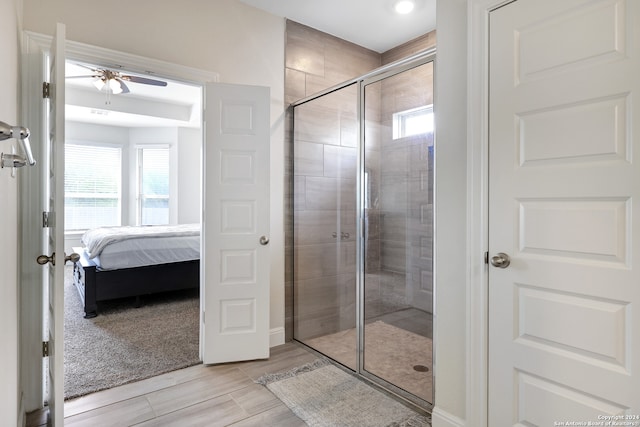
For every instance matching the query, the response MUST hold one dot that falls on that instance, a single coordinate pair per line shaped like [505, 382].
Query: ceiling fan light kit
[113, 82]
[112, 85]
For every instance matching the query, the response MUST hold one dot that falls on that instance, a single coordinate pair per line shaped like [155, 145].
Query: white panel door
[53, 189]
[235, 254]
[564, 188]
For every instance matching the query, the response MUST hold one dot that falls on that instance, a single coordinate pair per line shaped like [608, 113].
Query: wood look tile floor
[220, 395]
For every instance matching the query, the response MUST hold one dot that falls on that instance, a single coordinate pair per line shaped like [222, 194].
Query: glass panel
[398, 286]
[154, 186]
[325, 141]
[155, 210]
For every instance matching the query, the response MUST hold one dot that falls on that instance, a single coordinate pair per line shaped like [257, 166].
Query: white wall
[451, 268]
[9, 83]
[97, 133]
[189, 175]
[243, 44]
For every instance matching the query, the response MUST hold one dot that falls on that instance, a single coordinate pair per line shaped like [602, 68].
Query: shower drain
[420, 368]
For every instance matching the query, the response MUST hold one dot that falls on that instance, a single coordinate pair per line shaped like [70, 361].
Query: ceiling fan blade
[125, 88]
[143, 80]
[84, 77]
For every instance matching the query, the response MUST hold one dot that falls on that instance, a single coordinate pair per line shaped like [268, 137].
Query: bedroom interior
[132, 165]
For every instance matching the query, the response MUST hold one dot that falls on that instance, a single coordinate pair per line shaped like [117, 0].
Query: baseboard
[276, 336]
[440, 418]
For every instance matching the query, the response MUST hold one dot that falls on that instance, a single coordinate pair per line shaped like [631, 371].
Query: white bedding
[96, 239]
[113, 248]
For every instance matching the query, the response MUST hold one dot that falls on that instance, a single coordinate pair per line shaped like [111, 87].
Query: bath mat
[322, 394]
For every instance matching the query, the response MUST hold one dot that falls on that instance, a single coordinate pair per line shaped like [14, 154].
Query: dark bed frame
[95, 285]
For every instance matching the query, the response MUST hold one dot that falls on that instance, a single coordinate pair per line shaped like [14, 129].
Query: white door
[53, 236]
[564, 342]
[235, 253]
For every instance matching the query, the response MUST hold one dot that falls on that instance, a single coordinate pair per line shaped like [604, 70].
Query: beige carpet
[325, 395]
[390, 353]
[125, 344]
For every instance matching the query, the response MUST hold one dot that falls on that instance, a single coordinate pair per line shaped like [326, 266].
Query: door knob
[501, 260]
[44, 259]
[264, 240]
[73, 257]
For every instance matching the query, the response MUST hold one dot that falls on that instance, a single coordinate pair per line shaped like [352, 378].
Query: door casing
[35, 50]
[476, 63]
[472, 34]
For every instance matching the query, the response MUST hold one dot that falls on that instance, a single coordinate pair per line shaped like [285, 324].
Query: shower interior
[363, 158]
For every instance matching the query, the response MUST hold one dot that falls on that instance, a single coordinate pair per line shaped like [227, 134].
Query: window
[92, 186]
[153, 186]
[413, 122]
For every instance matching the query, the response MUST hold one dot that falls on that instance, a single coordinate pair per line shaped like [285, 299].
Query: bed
[121, 262]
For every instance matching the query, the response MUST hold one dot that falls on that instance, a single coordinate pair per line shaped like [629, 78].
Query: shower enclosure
[363, 158]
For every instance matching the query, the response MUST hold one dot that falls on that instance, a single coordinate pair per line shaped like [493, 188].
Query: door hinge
[486, 257]
[45, 349]
[46, 90]
[47, 219]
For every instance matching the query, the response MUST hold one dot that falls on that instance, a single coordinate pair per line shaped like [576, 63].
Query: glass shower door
[398, 215]
[324, 217]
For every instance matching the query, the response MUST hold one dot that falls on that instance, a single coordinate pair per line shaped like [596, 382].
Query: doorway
[363, 160]
[132, 156]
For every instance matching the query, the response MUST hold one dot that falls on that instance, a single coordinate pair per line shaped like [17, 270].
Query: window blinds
[92, 186]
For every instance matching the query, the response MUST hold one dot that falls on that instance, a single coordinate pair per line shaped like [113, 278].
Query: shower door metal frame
[374, 76]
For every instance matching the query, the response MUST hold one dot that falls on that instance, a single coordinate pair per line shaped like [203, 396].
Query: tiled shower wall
[325, 165]
[406, 195]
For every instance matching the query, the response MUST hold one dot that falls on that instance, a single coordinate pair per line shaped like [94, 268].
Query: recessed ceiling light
[404, 6]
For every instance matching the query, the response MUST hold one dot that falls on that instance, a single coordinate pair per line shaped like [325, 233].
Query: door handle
[73, 257]
[264, 240]
[44, 259]
[22, 135]
[501, 260]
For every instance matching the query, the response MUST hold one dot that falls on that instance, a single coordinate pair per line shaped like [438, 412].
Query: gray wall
[406, 194]
[323, 178]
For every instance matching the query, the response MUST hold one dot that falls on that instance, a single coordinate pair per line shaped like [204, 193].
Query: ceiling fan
[114, 81]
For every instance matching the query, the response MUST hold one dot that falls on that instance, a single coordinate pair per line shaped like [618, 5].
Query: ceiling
[176, 105]
[372, 24]
[369, 23]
